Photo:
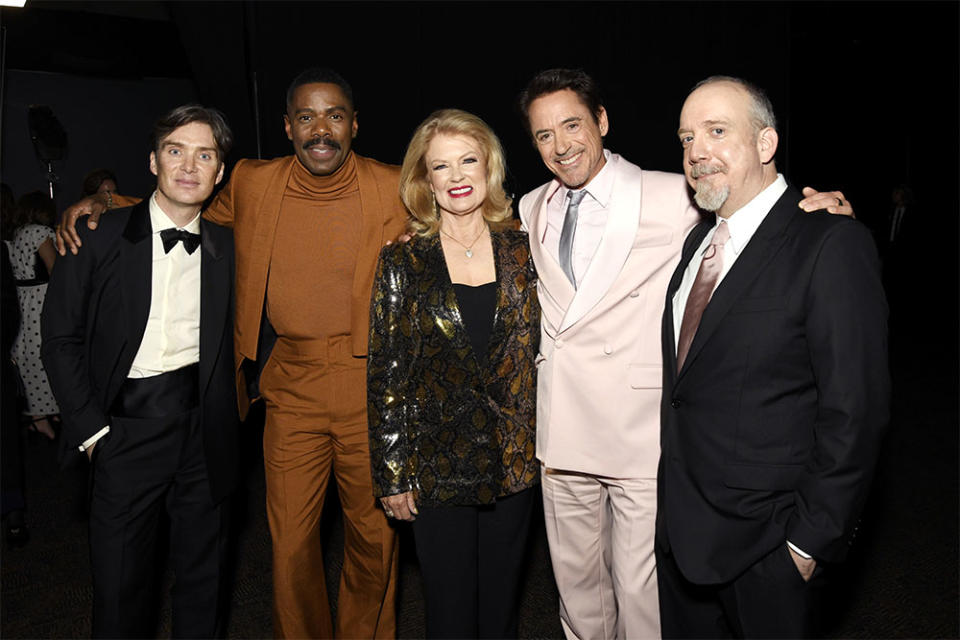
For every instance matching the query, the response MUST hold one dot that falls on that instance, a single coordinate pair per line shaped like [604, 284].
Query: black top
[477, 305]
[456, 428]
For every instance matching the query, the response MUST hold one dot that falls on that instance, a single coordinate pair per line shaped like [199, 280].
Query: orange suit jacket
[250, 203]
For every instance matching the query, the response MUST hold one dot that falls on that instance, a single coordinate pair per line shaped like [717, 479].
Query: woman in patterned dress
[454, 332]
[32, 254]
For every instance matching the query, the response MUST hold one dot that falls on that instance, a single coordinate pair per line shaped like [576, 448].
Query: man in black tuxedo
[137, 340]
[776, 386]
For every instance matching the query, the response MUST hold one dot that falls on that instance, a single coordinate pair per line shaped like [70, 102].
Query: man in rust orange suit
[308, 230]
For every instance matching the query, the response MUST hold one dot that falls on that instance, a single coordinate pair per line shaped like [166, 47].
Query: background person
[12, 503]
[32, 252]
[99, 181]
[454, 330]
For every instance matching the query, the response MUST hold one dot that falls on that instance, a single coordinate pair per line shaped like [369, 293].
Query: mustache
[325, 141]
[705, 170]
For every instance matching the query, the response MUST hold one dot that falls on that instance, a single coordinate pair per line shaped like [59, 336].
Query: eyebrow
[177, 143]
[462, 156]
[706, 123]
[327, 110]
[566, 121]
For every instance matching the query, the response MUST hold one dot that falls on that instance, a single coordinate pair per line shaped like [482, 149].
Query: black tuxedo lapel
[214, 298]
[136, 260]
[690, 246]
[764, 244]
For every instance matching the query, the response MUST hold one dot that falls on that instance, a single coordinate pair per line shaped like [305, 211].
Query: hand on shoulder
[832, 201]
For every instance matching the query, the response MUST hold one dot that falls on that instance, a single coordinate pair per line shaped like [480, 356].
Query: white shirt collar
[743, 222]
[159, 220]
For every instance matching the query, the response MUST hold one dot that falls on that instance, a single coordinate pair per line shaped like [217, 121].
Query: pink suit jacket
[600, 364]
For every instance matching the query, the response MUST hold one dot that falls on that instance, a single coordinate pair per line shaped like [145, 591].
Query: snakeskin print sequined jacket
[442, 424]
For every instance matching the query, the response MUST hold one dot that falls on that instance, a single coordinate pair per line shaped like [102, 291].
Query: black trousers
[472, 561]
[769, 600]
[143, 466]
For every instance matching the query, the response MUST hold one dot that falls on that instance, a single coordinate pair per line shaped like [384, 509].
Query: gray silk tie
[566, 235]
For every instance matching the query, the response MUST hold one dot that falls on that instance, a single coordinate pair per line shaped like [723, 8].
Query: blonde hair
[415, 187]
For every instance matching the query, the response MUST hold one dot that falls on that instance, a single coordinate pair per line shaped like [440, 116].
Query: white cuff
[89, 442]
[799, 552]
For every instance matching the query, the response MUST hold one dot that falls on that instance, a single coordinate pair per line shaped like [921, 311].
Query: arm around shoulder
[94, 206]
[221, 209]
[120, 201]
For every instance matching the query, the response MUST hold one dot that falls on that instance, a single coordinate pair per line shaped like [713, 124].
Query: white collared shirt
[742, 224]
[171, 339]
[592, 217]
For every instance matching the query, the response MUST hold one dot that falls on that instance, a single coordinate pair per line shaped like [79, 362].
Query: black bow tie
[171, 237]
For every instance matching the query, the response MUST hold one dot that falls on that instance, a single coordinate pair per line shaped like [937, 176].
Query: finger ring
[840, 201]
[388, 512]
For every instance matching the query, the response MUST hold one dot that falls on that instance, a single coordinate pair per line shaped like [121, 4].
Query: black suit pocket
[762, 477]
[754, 305]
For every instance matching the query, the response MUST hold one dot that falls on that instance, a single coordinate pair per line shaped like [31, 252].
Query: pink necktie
[703, 286]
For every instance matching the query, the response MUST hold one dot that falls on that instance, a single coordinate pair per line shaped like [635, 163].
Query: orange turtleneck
[315, 254]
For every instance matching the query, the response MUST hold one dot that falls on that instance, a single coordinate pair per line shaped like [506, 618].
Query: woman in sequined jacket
[454, 332]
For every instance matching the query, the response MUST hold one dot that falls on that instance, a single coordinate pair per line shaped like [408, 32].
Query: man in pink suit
[605, 237]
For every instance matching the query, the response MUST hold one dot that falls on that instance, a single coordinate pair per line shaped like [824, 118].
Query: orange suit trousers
[316, 425]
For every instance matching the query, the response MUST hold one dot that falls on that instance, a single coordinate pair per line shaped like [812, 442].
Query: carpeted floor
[901, 580]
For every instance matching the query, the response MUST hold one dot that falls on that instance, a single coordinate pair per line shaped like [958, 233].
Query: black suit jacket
[772, 429]
[94, 316]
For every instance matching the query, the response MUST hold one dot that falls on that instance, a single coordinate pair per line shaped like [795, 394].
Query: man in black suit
[137, 340]
[776, 387]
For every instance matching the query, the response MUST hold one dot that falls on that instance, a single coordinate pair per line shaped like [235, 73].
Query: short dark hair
[94, 179]
[184, 115]
[319, 74]
[553, 80]
[36, 207]
[9, 220]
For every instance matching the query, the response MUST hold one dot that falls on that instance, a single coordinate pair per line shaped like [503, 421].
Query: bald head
[728, 144]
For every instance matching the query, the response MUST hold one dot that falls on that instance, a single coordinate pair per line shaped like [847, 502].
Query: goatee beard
[710, 199]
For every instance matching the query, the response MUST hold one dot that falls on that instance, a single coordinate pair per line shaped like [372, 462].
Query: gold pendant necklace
[469, 248]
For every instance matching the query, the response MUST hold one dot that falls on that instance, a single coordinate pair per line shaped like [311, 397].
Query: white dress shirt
[171, 339]
[591, 218]
[742, 224]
